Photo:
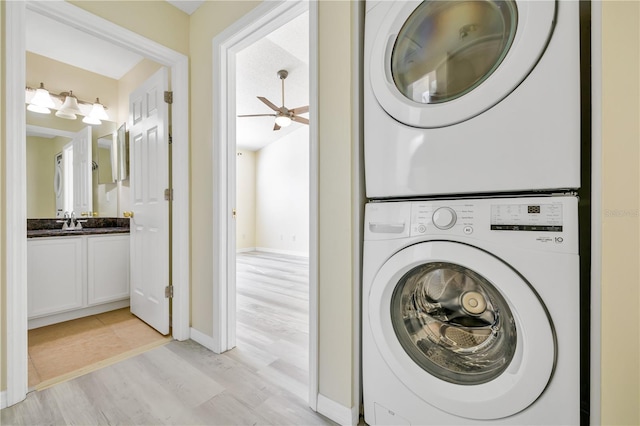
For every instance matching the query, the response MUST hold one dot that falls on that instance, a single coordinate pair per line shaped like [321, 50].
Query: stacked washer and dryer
[470, 264]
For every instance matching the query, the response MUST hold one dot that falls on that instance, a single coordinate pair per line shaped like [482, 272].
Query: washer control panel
[456, 217]
[539, 223]
[540, 217]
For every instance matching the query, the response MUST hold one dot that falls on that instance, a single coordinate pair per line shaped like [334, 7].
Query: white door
[82, 183]
[149, 165]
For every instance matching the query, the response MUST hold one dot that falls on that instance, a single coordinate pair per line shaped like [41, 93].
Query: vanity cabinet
[76, 276]
[55, 277]
[107, 268]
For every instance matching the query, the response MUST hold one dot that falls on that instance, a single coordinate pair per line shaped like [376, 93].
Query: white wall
[282, 194]
[245, 200]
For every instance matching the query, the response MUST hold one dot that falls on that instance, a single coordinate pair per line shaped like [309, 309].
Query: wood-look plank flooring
[260, 382]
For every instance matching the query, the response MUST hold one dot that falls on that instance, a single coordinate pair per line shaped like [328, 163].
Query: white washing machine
[466, 97]
[471, 312]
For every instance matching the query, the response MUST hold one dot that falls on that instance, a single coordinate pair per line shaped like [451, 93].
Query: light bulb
[283, 120]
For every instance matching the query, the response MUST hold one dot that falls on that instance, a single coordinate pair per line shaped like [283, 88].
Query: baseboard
[287, 252]
[337, 412]
[77, 313]
[245, 250]
[3, 399]
[206, 341]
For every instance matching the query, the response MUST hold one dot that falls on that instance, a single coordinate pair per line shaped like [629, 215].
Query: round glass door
[436, 63]
[453, 323]
[447, 48]
[461, 329]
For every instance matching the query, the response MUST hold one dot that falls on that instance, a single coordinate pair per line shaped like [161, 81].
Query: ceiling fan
[283, 115]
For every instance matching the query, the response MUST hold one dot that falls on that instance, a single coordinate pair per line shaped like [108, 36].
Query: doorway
[16, 304]
[258, 24]
[272, 203]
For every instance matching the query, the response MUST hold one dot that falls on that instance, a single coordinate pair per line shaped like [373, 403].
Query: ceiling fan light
[283, 120]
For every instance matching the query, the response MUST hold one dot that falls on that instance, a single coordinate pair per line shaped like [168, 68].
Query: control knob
[444, 218]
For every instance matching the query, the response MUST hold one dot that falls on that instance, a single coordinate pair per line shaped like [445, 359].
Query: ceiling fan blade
[300, 110]
[300, 119]
[257, 115]
[275, 126]
[268, 103]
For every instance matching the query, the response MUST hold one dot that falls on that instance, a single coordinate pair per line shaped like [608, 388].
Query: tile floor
[60, 351]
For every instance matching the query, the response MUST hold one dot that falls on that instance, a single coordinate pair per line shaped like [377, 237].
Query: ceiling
[257, 66]
[187, 6]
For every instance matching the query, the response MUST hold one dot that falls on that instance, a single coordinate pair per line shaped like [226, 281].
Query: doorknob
[127, 214]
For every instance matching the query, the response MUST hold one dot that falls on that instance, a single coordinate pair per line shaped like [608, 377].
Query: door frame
[15, 166]
[259, 22]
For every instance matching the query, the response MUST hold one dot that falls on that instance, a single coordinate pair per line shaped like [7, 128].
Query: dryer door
[462, 330]
[436, 63]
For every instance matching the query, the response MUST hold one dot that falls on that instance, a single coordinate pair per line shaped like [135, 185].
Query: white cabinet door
[107, 268]
[55, 275]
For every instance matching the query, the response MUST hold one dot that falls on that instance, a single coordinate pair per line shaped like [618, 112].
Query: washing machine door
[462, 330]
[436, 63]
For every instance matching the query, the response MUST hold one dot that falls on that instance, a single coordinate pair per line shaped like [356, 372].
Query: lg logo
[559, 240]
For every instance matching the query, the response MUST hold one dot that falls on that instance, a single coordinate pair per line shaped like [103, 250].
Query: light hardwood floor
[262, 381]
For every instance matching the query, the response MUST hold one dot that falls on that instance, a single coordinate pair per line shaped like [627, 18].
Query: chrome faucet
[65, 221]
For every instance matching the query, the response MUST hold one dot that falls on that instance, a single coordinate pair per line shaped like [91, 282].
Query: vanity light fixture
[67, 104]
[41, 101]
[70, 107]
[97, 114]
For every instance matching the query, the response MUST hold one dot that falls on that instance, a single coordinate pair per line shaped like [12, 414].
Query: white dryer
[471, 312]
[471, 96]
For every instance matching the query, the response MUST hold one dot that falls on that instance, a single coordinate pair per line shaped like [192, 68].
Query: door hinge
[168, 292]
[168, 97]
[234, 213]
[170, 139]
[168, 194]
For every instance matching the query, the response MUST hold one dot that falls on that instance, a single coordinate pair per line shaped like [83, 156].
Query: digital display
[525, 217]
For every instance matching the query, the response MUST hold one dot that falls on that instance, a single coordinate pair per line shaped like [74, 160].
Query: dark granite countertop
[37, 228]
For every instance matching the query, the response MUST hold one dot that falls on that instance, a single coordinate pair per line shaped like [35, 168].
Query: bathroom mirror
[49, 154]
[106, 159]
[123, 153]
